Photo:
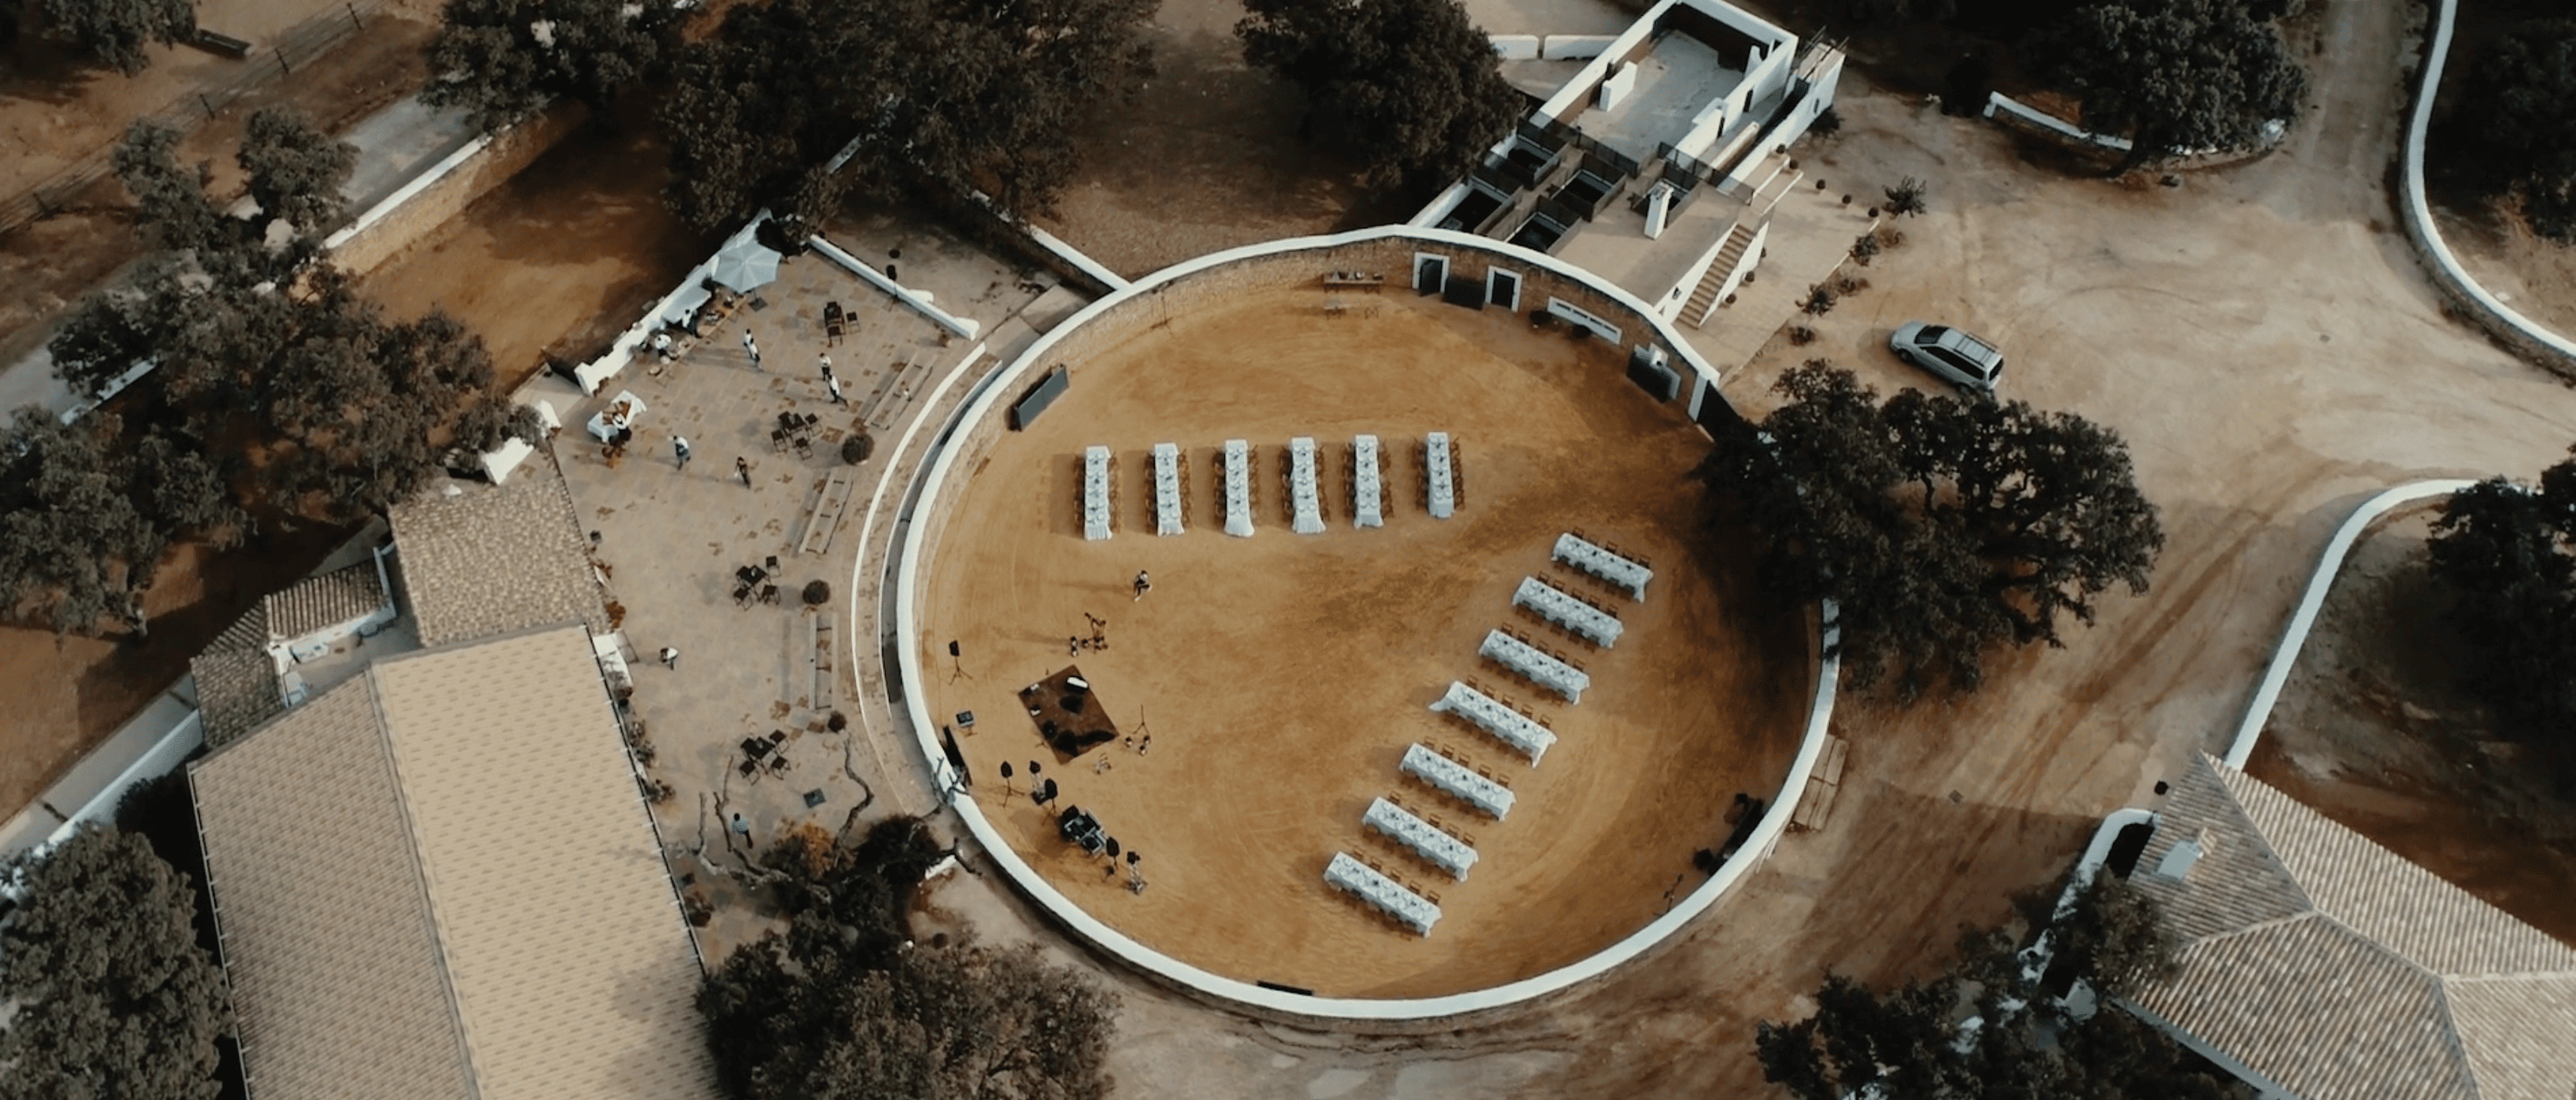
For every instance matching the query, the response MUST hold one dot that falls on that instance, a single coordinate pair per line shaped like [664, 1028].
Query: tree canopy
[1983, 1029]
[502, 60]
[1938, 526]
[946, 94]
[121, 33]
[2173, 75]
[85, 515]
[2523, 92]
[1409, 88]
[275, 389]
[844, 1004]
[294, 171]
[111, 995]
[2507, 553]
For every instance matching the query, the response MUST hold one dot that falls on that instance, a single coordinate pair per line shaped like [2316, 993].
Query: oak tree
[502, 60]
[121, 33]
[2523, 94]
[2507, 553]
[2173, 76]
[1938, 526]
[1411, 89]
[1983, 1028]
[111, 994]
[795, 103]
[85, 515]
[844, 1004]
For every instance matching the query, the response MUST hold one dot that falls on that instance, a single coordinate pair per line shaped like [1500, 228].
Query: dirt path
[2265, 342]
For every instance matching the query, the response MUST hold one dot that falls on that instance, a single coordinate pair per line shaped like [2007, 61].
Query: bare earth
[2374, 731]
[1282, 676]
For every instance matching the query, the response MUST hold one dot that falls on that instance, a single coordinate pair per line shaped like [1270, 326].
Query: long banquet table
[1301, 486]
[1238, 488]
[1535, 666]
[1566, 611]
[1575, 551]
[1425, 839]
[1365, 495]
[1095, 493]
[1491, 715]
[1413, 909]
[1458, 780]
[1167, 489]
[1444, 491]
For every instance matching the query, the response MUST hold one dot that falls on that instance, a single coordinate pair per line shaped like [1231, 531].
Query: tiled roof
[439, 880]
[480, 560]
[327, 934]
[2340, 970]
[236, 680]
[325, 601]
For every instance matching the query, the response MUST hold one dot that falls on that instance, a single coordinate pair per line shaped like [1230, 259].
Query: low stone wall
[410, 215]
[2522, 335]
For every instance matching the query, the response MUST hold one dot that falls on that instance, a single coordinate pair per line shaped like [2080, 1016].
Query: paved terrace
[672, 539]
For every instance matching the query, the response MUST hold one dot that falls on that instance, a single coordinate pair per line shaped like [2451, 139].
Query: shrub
[858, 447]
[1906, 197]
[1828, 123]
[1820, 300]
[817, 593]
[1864, 247]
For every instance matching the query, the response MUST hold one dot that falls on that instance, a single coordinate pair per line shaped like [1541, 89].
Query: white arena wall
[1175, 291]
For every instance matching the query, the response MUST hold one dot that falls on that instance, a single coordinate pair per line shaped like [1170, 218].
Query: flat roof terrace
[1679, 76]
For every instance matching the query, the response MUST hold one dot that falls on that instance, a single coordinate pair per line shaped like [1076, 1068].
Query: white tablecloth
[1444, 851]
[1509, 726]
[619, 415]
[1601, 563]
[1095, 493]
[1537, 667]
[1378, 890]
[1444, 492]
[1566, 611]
[1238, 489]
[1301, 486]
[1459, 780]
[1167, 489]
[1365, 511]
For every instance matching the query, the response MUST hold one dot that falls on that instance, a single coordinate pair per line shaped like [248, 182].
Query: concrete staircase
[1703, 299]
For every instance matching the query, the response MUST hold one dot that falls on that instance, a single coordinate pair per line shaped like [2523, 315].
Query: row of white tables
[1095, 493]
[1564, 610]
[1413, 909]
[1535, 665]
[1238, 488]
[1427, 840]
[1460, 781]
[1575, 551]
[1365, 495]
[1444, 488]
[1493, 716]
[1167, 489]
[1302, 495]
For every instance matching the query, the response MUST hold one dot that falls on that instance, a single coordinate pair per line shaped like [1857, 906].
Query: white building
[1657, 163]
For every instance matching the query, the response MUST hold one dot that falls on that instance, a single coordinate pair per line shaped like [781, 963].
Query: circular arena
[1233, 726]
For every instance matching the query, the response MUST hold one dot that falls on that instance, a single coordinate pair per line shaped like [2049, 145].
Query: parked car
[1964, 360]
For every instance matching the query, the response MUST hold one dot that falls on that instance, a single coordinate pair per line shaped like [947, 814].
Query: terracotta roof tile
[490, 559]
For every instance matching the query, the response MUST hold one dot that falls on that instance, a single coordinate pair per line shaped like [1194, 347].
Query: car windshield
[1931, 334]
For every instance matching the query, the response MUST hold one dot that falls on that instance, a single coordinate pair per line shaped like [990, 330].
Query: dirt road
[2262, 337]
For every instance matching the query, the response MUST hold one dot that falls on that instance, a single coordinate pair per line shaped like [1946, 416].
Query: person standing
[742, 469]
[1144, 584]
[751, 346]
[680, 450]
[670, 658]
[826, 357]
[834, 386]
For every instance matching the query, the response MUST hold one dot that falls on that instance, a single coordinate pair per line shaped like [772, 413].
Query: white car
[1964, 360]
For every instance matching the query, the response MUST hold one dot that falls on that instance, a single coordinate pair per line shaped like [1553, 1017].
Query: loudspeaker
[952, 649]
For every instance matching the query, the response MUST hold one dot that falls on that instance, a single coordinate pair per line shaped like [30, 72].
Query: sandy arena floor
[1281, 676]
